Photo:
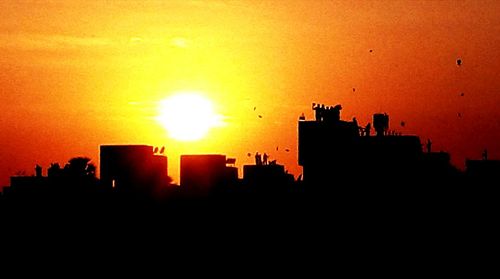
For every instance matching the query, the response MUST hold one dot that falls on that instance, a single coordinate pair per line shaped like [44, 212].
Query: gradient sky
[76, 74]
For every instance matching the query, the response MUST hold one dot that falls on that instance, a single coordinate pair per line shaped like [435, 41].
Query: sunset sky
[76, 74]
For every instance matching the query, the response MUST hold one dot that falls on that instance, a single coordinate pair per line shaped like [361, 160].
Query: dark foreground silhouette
[350, 178]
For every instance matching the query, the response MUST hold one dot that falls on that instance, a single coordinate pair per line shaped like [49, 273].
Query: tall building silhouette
[336, 152]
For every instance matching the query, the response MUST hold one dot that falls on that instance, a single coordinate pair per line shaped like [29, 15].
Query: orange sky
[76, 74]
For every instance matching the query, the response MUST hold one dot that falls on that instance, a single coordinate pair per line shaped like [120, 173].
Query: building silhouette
[484, 171]
[74, 183]
[343, 164]
[437, 167]
[27, 186]
[336, 153]
[201, 175]
[133, 169]
[267, 179]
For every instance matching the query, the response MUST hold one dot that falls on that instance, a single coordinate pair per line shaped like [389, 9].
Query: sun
[187, 116]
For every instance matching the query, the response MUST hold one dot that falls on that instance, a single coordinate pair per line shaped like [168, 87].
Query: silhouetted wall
[201, 174]
[484, 171]
[28, 185]
[330, 152]
[266, 176]
[132, 168]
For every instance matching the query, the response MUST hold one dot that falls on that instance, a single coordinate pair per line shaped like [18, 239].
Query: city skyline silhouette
[334, 154]
[357, 185]
[68, 88]
[286, 131]
[319, 144]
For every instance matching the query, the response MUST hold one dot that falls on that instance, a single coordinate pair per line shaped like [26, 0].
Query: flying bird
[459, 62]
[287, 150]
[403, 123]
[260, 116]
[249, 154]
[371, 50]
[462, 94]
[459, 115]
[353, 89]
[254, 108]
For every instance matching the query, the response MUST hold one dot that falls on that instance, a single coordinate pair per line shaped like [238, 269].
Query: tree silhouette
[80, 167]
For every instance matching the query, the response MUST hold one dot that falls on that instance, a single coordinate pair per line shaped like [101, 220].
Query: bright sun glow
[187, 116]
